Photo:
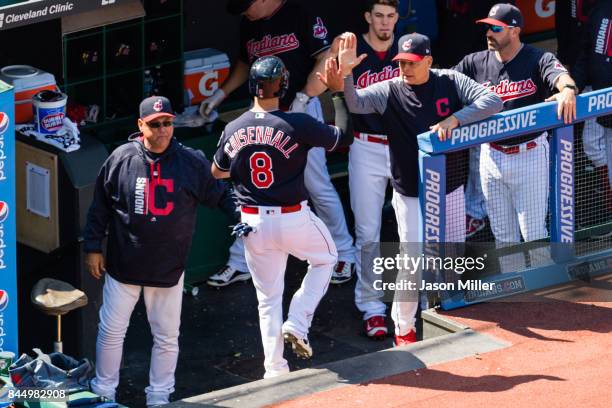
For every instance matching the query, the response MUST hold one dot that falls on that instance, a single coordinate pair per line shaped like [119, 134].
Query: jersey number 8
[261, 170]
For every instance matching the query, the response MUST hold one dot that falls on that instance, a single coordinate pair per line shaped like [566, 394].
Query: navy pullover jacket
[148, 202]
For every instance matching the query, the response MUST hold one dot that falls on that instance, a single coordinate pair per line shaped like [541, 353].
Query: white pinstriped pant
[164, 313]
[277, 235]
[406, 208]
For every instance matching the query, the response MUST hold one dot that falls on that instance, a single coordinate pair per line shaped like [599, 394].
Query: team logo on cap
[4, 122]
[158, 105]
[4, 299]
[493, 11]
[319, 30]
[4, 211]
[407, 45]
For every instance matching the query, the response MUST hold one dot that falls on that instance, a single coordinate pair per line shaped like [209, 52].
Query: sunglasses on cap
[496, 28]
[157, 125]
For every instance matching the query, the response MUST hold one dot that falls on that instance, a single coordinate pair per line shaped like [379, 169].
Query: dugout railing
[573, 251]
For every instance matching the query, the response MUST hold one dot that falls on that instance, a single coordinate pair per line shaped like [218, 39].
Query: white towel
[66, 138]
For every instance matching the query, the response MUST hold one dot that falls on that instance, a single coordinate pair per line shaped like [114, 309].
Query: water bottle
[159, 85]
[149, 83]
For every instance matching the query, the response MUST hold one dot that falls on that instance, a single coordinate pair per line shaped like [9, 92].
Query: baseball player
[302, 41]
[146, 194]
[594, 66]
[571, 17]
[459, 36]
[514, 172]
[265, 151]
[421, 99]
[369, 168]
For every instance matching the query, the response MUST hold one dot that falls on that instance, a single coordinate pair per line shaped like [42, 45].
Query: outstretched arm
[372, 99]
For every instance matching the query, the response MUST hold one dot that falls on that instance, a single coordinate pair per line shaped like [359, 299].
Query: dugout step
[436, 325]
[368, 367]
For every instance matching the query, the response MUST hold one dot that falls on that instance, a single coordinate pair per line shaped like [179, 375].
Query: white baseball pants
[237, 259]
[276, 236]
[163, 307]
[369, 176]
[406, 208]
[608, 136]
[324, 197]
[594, 142]
[515, 187]
[474, 199]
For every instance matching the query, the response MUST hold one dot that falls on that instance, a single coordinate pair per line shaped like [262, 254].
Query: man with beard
[514, 172]
[369, 168]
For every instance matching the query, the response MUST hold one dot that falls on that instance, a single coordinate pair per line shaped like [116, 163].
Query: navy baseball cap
[504, 14]
[154, 107]
[413, 47]
[237, 7]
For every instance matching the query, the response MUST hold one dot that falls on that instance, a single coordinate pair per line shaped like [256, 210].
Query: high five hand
[347, 56]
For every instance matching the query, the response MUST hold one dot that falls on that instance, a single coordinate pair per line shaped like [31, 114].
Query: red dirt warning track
[560, 356]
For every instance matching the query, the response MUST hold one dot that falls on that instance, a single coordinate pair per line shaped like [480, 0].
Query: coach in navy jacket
[147, 194]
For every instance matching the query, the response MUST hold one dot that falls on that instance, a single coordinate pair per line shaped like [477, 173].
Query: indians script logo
[4, 300]
[158, 105]
[407, 45]
[269, 45]
[513, 90]
[1, 20]
[318, 30]
[368, 77]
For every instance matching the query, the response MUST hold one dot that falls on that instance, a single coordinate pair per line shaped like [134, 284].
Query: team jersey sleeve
[372, 99]
[221, 158]
[550, 69]
[478, 101]
[315, 33]
[317, 134]
[212, 192]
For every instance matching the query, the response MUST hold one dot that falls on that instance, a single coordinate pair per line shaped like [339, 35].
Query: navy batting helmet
[268, 78]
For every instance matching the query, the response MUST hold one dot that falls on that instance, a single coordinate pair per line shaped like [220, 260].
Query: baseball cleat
[343, 272]
[473, 226]
[226, 276]
[301, 346]
[406, 340]
[376, 328]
